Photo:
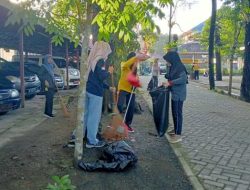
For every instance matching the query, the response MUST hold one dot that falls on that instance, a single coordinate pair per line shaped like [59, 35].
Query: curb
[178, 152]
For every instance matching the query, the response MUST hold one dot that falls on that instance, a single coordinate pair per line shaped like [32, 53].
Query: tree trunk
[95, 28]
[233, 49]
[211, 46]
[230, 73]
[245, 83]
[218, 55]
[170, 23]
[86, 30]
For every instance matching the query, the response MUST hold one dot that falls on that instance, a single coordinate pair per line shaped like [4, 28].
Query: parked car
[11, 71]
[9, 96]
[59, 68]
[35, 68]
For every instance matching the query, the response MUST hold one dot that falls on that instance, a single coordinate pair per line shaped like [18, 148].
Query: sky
[188, 17]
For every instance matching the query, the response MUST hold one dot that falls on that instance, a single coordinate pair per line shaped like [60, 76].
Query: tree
[218, 53]
[228, 20]
[72, 19]
[245, 83]
[211, 46]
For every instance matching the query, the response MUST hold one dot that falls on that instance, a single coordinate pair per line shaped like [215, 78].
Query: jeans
[49, 101]
[123, 95]
[196, 75]
[177, 116]
[92, 116]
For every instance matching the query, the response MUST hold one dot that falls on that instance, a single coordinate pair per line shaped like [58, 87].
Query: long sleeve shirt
[126, 67]
[95, 82]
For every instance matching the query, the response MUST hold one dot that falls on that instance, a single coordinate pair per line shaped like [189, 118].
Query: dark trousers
[49, 101]
[196, 75]
[177, 116]
[124, 96]
[153, 83]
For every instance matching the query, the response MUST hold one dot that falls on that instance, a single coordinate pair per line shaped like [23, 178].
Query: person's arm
[182, 79]
[129, 63]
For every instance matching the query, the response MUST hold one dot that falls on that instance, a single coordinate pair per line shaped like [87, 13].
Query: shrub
[63, 183]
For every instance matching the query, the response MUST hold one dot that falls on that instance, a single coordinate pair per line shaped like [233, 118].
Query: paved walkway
[223, 85]
[216, 141]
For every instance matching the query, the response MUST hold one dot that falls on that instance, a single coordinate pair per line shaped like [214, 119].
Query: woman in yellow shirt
[125, 89]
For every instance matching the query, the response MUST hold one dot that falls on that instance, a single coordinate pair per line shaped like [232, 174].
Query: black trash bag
[160, 98]
[150, 85]
[117, 156]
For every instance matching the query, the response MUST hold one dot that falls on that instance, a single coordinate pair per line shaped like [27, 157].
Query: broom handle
[112, 81]
[132, 92]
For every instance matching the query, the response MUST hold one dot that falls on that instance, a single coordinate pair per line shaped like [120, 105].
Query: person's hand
[166, 84]
[46, 83]
[111, 69]
[142, 57]
[112, 89]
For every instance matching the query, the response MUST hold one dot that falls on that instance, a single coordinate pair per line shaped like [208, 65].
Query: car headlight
[13, 79]
[14, 93]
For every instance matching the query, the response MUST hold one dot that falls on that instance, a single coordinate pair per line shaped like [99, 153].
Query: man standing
[47, 73]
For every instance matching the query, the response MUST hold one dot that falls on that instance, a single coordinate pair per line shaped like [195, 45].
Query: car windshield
[61, 63]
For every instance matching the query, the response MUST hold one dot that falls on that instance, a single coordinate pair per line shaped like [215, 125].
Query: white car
[59, 69]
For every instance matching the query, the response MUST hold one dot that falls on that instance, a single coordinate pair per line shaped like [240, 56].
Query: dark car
[11, 71]
[9, 96]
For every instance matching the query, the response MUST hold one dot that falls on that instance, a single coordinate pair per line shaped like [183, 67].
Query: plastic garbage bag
[160, 99]
[117, 156]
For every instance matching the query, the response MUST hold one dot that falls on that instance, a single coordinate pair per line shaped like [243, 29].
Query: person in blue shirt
[94, 91]
[177, 83]
[49, 85]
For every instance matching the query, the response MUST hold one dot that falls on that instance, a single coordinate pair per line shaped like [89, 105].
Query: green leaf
[121, 33]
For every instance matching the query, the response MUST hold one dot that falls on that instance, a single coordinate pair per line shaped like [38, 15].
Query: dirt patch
[29, 162]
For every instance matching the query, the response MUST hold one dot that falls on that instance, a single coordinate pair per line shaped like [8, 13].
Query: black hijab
[177, 67]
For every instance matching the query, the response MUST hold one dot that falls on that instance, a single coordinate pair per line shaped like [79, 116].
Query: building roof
[36, 43]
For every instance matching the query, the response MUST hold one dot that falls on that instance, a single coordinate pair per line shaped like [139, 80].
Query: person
[196, 71]
[94, 91]
[125, 89]
[177, 80]
[48, 84]
[155, 73]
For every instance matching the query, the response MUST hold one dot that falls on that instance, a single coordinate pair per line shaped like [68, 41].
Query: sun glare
[17, 1]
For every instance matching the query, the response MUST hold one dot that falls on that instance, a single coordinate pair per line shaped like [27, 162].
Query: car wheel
[30, 96]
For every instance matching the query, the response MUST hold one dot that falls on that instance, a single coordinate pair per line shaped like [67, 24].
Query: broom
[117, 130]
[62, 104]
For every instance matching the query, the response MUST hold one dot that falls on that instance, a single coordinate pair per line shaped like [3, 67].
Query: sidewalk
[223, 85]
[216, 143]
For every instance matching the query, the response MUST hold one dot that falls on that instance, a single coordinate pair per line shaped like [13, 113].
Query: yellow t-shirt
[125, 69]
[196, 67]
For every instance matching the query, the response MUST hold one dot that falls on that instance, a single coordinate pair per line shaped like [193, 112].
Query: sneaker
[171, 132]
[130, 130]
[97, 145]
[71, 144]
[49, 115]
[175, 139]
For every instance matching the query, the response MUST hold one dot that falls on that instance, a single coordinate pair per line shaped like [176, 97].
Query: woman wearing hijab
[47, 73]
[94, 91]
[177, 80]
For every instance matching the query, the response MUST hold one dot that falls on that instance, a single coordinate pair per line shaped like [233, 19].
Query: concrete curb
[179, 153]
